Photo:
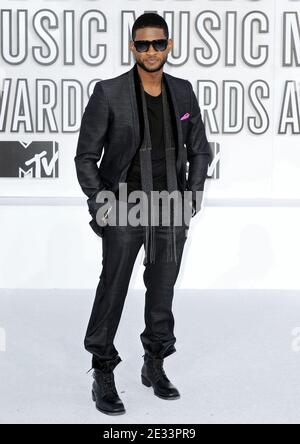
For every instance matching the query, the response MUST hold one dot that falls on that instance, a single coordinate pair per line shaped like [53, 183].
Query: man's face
[151, 61]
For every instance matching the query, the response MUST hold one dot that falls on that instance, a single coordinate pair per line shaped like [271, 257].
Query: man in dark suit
[149, 125]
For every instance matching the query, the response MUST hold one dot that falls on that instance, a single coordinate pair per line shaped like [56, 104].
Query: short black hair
[152, 20]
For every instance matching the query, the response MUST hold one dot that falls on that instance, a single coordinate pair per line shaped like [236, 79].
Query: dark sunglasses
[144, 45]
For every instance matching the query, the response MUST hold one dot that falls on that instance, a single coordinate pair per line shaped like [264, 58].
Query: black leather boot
[105, 395]
[104, 392]
[154, 375]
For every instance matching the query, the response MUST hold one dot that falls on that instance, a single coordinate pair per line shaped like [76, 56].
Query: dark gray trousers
[120, 247]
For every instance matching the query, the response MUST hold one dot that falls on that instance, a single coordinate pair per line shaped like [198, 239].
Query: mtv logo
[34, 160]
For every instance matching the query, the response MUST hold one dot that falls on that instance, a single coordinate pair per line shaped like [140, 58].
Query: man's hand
[192, 204]
[193, 207]
[197, 197]
[94, 206]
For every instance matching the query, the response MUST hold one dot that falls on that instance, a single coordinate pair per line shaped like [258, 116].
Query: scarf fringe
[150, 245]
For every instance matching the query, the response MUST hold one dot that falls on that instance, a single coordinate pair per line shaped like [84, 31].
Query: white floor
[236, 361]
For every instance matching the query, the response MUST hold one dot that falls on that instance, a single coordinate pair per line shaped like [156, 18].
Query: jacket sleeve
[199, 153]
[93, 130]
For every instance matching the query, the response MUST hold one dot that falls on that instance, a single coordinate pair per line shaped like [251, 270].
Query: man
[149, 124]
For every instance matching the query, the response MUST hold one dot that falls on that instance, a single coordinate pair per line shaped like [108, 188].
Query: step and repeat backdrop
[241, 56]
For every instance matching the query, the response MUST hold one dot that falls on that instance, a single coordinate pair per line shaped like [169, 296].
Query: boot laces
[106, 381]
[156, 366]
[109, 383]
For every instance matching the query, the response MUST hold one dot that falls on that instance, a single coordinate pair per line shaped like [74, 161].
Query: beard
[154, 69]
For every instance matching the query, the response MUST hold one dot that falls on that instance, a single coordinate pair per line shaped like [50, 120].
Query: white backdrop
[243, 60]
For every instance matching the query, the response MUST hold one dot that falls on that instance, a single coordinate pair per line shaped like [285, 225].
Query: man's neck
[150, 80]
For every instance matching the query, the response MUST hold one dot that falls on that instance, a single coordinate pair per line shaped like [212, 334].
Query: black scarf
[147, 178]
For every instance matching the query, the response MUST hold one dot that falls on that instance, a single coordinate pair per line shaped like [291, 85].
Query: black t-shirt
[156, 125]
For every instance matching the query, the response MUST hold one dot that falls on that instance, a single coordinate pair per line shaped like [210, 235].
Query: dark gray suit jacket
[112, 127]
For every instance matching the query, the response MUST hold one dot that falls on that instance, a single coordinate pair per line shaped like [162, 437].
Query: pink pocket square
[185, 116]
